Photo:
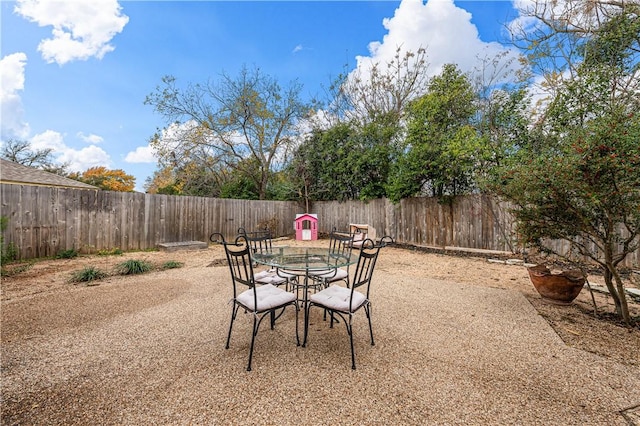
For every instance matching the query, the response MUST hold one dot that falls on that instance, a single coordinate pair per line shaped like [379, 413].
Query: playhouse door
[306, 234]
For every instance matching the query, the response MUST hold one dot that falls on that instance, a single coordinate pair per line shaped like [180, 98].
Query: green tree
[344, 162]
[580, 181]
[503, 107]
[244, 124]
[558, 37]
[442, 147]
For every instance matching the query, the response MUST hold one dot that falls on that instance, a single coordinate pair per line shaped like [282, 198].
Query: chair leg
[256, 324]
[350, 333]
[307, 309]
[234, 312]
[367, 310]
[297, 335]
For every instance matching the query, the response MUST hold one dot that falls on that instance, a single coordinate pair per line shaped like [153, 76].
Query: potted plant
[560, 288]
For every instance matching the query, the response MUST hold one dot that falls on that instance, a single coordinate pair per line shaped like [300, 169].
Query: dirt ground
[575, 324]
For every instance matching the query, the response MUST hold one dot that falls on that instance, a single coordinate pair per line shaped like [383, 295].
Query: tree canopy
[578, 178]
[442, 147]
[109, 180]
[244, 124]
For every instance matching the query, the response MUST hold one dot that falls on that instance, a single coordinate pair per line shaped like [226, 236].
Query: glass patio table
[295, 263]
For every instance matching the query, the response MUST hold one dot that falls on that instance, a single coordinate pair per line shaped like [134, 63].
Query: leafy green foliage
[442, 147]
[110, 252]
[88, 274]
[577, 178]
[10, 252]
[344, 162]
[172, 264]
[133, 267]
[244, 123]
[67, 254]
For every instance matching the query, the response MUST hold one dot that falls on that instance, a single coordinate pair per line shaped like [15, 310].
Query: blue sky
[75, 74]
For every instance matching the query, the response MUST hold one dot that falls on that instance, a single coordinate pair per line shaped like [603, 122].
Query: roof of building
[17, 174]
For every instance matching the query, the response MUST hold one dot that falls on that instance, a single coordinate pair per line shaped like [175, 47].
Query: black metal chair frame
[340, 247]
[261, 241]
[240, 263]
[362, 276]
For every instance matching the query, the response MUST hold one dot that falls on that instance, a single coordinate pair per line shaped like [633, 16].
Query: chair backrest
[366, 264]
[340, 244]
[240, 263]
[260, 241]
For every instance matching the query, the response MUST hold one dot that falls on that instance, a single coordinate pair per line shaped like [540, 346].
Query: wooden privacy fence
[473, 221]
[43, 221]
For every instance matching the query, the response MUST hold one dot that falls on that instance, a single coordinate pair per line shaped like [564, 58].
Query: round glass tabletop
[303, 258]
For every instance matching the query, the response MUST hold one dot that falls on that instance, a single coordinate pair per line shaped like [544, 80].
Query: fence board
[44, 221]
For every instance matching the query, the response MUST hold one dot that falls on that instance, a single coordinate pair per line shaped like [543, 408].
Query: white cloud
[49, 139]
[81, 29]
[142, 154]
[90, 138]
[81, 160]
[11, 84]
[297, 49]
[441, 27]
[78, 160]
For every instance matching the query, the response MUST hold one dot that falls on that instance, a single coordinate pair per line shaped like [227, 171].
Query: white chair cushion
[330, 274]
[337, 298]
[268, 277]
[284, 273]
[268, 296]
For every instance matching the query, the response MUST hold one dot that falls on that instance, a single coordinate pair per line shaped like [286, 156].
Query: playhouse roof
[307, 216]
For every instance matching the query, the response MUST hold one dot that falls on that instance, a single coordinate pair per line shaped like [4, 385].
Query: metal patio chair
[261, 241]
[340, 245]
[258, 300]
[344, 301]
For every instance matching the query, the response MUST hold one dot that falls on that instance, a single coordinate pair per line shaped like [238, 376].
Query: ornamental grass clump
[89, 274]
[67, 254]
[172, 264]
[134, 267]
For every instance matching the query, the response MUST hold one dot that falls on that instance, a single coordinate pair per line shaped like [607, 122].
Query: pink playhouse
[306, 226]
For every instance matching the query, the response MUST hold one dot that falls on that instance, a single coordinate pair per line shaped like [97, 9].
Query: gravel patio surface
[150, 350]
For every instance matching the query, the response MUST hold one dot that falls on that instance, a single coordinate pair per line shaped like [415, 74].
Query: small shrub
[10, 271]
[88, 274]
[110, 252]
[133, 266]
[172, 264]
[67, 254]
[10, 252]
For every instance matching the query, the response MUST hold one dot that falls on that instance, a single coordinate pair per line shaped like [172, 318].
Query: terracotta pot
[561, 288]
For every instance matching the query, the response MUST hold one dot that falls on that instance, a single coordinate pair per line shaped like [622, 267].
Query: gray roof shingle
[17, 174]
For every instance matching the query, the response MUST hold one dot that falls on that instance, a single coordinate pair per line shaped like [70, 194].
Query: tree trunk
[622, 297]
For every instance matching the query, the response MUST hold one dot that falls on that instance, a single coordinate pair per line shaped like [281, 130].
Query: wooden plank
[183, 245]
